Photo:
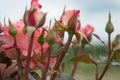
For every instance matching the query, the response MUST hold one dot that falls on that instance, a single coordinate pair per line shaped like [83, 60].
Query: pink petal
[22, 41]
[35, 5]
[88, 30]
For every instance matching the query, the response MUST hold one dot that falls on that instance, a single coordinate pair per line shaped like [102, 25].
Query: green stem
[109, 46]
[19, 63]
[59, 61]
[105, 69]
[109, 60]
[29, 56]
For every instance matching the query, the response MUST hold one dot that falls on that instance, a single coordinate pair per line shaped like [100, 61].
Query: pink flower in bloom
[23, 41]
[9, 39]
[87, 31]
[68, 17]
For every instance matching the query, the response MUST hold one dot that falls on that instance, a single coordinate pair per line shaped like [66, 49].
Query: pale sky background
[93, 12]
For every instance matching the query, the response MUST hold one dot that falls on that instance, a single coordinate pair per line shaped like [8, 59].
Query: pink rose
[70, 19]
[88, 30]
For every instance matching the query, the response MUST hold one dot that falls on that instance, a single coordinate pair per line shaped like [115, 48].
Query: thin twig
[109, 60]
[105, 69]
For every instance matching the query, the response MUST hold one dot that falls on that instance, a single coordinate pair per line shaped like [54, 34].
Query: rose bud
[109, 27]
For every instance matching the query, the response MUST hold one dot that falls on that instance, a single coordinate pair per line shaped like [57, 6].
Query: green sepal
[12, 30]
[42, 21]
[50, 38]
[41, 39]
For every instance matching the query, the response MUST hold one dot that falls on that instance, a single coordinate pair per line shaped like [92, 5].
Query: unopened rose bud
[12, 29]
[109, 27]
[70, 20]
[34, 17]
[51, 38]
[73, 23]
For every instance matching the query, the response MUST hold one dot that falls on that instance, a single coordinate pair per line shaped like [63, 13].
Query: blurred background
[93, 12]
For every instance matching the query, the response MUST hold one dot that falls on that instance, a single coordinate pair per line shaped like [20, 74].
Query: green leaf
[57, 49]
[64, 76]
[70, 54]
[12, 29]
[36, 72]
[85, 58]
[116, 55]
[41, 39]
